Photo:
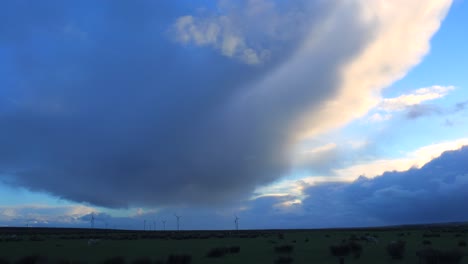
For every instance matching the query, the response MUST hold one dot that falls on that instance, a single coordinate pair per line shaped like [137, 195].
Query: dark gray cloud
[421, 110]
[100, 105]
[461, 106]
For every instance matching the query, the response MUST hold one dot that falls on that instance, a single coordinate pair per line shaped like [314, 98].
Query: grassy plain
[256, 246]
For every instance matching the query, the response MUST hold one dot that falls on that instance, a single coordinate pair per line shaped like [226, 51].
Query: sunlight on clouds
[358, 144]
[386, 59]
[79, 210]
[44, 214]
[289, 206]
[294, 188]
[416, 158]
[417, 97]
[320, 149]
[378, 117]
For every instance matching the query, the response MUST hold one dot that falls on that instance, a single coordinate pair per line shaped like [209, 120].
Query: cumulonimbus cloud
[121, 115]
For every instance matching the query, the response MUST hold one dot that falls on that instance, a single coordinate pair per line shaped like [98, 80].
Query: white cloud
[411, 101]
[417, 97]
[358, 144]
[379, 117]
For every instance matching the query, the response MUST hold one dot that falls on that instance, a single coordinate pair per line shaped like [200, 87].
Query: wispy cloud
[246, 30]
[413, 104]
[419, 96]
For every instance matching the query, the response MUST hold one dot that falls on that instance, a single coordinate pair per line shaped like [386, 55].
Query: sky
[287, 114]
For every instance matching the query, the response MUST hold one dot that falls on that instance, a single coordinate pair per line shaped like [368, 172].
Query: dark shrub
[432, 256]
[280, 236]
[217, 252]
[396, 249]
[284, 260]
[36, 238]
[450, 257]
[431, 235]
[234, 249]
[142, 260]
[66, 261]
[340, 250]
[284, 249]
[33, 259]
[427, 256]
[356, 249]
[114, 260]
[462, 243]
[426, 242]
[179, 259]
[63, 261]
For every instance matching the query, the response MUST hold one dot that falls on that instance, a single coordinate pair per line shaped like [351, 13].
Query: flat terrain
[56, 245]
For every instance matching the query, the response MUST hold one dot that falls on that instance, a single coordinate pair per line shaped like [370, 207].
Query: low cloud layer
[434, 193]
[109, 107]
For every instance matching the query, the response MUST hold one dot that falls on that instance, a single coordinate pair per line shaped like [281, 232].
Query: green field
[256, 246]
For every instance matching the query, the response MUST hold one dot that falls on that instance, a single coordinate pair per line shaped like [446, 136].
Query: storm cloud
[103, 103]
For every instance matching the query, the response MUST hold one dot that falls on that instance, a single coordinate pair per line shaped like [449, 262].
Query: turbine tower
[92, 220]
[178, 221]
[236, 222]
[154, 225]
[144, 225]
[164, 224]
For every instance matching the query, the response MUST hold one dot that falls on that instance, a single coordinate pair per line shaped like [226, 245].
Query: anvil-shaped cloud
[152, 103]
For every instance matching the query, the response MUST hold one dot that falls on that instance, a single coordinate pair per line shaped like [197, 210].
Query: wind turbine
[164, 224]
[178, 221]
[144, 225]
[154, 225]
[236, 222]
[92, 220]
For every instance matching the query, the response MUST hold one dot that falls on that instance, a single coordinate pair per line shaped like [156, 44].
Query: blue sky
[137, 111]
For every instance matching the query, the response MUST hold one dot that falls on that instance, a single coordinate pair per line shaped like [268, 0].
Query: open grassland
[246, 246]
